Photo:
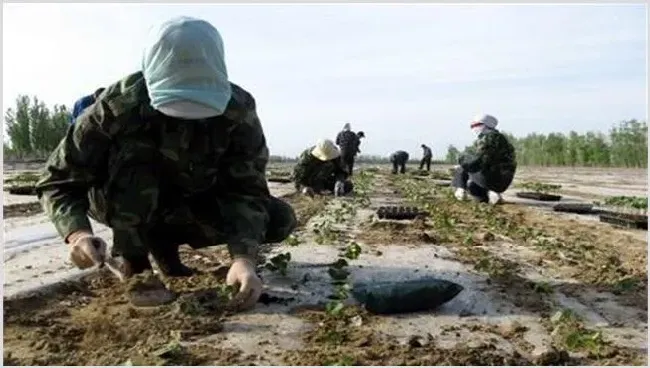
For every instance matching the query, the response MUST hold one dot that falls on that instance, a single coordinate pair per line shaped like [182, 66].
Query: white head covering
[184, 69]
[482, 122]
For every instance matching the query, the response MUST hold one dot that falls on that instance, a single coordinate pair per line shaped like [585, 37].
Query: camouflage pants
[164, 238]
[426, 160]
[347, 185]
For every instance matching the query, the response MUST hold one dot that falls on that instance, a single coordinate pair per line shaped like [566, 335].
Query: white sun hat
[325, 150]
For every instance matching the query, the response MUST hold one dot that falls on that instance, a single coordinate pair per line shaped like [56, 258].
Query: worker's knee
[282, 221]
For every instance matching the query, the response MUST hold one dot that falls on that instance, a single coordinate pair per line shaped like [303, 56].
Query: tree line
[34, 130]
[626, 145]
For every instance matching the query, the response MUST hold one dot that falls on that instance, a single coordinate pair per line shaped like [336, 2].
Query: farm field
[539, 287]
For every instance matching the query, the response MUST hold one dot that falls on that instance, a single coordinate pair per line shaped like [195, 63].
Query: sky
[405, 74]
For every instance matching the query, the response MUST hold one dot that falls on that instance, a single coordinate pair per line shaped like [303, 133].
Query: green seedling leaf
[292, 240]
[352, 251]
[338, 273]
[334, 308]
[340, 263]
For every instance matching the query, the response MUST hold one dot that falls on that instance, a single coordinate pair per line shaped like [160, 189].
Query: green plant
[538, 187]
[569, 330]
[292, 240]
[279, 263]
[352, 251]
[628, 201]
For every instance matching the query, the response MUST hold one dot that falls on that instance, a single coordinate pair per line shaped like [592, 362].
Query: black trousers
[399, 165]
[426, 160]
[347, 159]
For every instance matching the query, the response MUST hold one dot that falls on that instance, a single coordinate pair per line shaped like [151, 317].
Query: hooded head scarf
[482, 123]
[184, 69]
[346, 127]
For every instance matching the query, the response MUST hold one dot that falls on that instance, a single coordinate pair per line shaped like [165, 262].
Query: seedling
[543, 288]
[352, 251]
[338, 274]
[334, 308]
[570, 331]
[626, 201]
[541, 188]
[279, 263]
[292, 240]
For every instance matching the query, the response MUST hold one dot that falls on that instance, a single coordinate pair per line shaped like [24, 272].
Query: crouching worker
[399, 160]
[489, 170]
[320, 168]
[174, 154]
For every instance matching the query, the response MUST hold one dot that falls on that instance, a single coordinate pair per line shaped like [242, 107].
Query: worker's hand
[308, 191]
[86, 250]
[242, 275]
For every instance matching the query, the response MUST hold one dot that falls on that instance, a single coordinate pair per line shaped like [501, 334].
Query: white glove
[308, 191]
[460, 194]
[495, 198]
[242, 274]
[87, 250]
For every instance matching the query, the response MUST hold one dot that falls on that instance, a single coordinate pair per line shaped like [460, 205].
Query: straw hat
[325, 150]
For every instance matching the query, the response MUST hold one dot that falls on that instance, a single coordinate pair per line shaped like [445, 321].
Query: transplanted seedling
[292, 240]
[352, 251]
[279, 263]
[570, 331]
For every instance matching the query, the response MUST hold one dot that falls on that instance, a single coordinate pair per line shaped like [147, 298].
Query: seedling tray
[22, 190]
[279, 180]
[579, 208]
[539, 196]
[399, 213]
[632, 221]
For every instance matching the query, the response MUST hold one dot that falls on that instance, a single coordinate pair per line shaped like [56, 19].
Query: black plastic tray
[278, 180]
[579, 208]
[539, 196]
[22, 190]
[632, 221]
[399, 213]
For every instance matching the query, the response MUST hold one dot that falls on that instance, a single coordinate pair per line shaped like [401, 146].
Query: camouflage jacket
[426, 152]
[348, 141]
[314, 173]
[493, 155]
[149, 166]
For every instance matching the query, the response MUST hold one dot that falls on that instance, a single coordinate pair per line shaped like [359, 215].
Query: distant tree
[34, 131]
[18, 126]
[452, 155]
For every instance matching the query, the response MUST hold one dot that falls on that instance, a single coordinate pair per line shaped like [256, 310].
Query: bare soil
[542, 288]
